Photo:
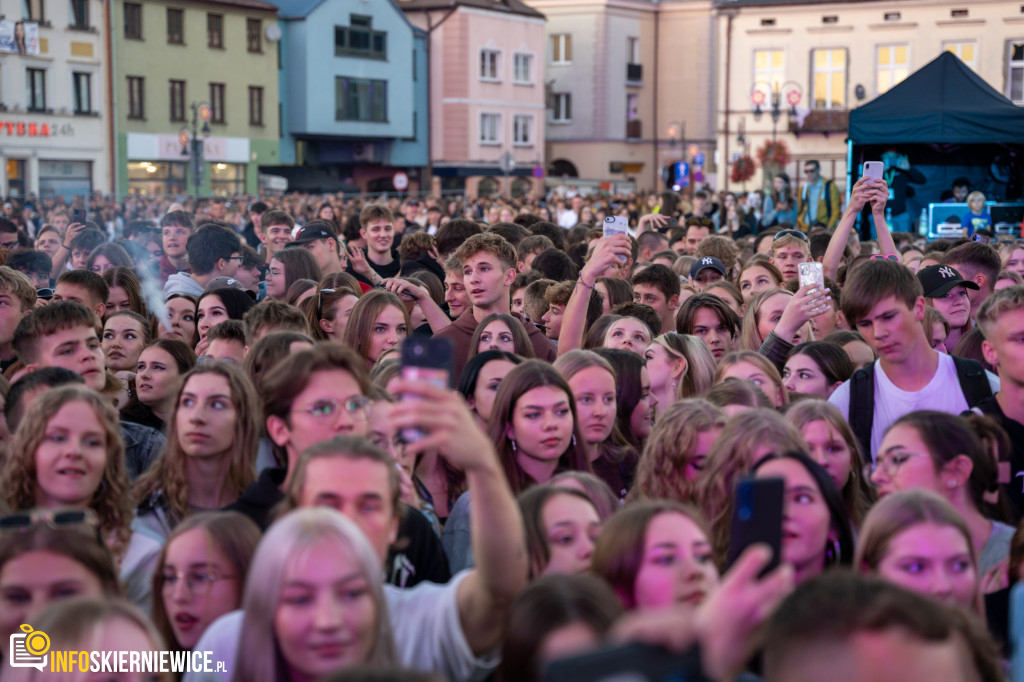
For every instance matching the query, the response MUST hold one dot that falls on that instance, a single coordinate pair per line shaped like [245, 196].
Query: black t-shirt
[392, 269]
[1015, 430]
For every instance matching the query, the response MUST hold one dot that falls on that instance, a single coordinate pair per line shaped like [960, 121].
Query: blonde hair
[669, 448]
[288, 540]
[750, 337]
[898, 512]
[699, 376]
[111, 501]
[758, 360]
[858, 495]
[730, 457]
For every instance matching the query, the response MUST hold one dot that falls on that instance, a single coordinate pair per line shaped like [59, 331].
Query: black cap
[939, 280]
[310, 233]
[705, 263]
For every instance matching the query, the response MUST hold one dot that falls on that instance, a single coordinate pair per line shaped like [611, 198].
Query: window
[769, 70]
[967, 51]
[358, 39]
[561, 48]
[522, 131]
[254, 35]
[36, 86]
[255, 106]
[490, 124]
[216, 102]
[633, 50]
[522, 68]
[80, 14]
[133, 21]
[489, 61]
[175, 26]
[828, 78]
[83, 92]
[361, 99]
[33, 10]
[891, 67]
[1015, 71]
[632, 107]
[561, 111]
[136, 95]
[215, 30]
[177, 100]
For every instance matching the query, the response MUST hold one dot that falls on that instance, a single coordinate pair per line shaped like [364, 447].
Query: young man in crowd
[705, 271]
[378, 261]
[454, 289]
[17, 299]
[35, 265]
[884, 301]
[85, 287]
[658, 287]
[62, 334]
[529, 248]
[175, 229]
[697, 228]
[269, 316]
[213, 251]
[318, 237]
[82, 244]
[488, 269]
[818, 201]
[226, 341]
[557, 296]
[789, 249]
[650, 243]
[275, 231]
[1001, 319]
[979, 263]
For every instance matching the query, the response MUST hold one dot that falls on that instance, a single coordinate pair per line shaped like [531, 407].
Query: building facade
[354, 97]
[54, 115]
[832, 57]
[630, 90]
[487, 104]
[188, 70]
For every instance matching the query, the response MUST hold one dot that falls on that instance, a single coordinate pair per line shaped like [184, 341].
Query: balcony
[824, 121]
[634, 73]
[634, 130]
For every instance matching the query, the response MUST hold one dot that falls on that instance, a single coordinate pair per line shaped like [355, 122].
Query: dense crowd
[214, 442]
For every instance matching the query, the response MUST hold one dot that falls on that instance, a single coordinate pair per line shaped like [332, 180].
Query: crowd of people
[210, 443]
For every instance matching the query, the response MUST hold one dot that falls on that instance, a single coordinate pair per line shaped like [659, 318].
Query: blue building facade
[354, 97]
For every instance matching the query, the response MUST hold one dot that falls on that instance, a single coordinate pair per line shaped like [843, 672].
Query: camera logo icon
[29, 648]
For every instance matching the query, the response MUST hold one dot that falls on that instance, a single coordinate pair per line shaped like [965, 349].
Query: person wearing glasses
[818, 201]
[214, 250]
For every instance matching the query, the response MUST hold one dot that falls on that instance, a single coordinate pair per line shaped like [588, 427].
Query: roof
[260, 5]
[294, 9]
[942, 102]
[502, 6]
[725, 4]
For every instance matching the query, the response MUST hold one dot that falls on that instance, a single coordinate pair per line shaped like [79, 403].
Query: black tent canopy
[944, 102]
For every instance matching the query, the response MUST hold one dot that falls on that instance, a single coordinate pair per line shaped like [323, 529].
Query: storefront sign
[35, 129]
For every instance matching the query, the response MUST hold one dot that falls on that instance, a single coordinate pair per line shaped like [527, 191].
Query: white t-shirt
[567, 219]
[425, 621]
[942, 393]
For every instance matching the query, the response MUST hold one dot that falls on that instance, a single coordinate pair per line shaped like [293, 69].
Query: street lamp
[192, 144]
[762, 91]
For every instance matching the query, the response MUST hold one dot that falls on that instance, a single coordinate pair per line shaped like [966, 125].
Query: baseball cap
[224, 283]
[938, 280]
[310, 233]
[705, 263]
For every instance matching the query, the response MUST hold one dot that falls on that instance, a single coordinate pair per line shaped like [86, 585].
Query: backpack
[970, 373]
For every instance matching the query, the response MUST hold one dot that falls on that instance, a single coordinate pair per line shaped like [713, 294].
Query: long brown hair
[529, 375]
[111, 501]
[359, 330]
[168, 473]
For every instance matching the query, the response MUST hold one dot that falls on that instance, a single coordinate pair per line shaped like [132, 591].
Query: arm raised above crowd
[574, 319]
[499, 542]
[436, 318]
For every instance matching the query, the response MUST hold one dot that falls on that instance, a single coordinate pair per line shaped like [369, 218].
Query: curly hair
[167, 475]
[111, 500]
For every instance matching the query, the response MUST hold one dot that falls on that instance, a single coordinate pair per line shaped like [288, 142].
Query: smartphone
[634, 662]
[873, 170]
[78, 216]
[812, 273]
[757, 518]
[616, 224]
[427, 359]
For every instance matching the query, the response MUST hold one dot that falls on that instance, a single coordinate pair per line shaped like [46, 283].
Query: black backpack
[970, 373]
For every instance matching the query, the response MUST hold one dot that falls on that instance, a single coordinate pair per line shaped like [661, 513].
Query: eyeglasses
[198, 581]
[320, 300]
[789, 233]
[808, 171]
[237, 258]
[329, 409]
[889, 465]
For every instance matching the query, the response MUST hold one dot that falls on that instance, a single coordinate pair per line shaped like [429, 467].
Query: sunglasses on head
[789, 233]
[70, 519]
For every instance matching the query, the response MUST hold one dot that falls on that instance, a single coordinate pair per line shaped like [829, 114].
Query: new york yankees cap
[939, 280]
[707, 262]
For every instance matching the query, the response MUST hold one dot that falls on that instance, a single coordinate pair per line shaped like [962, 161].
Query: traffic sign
[698, 159]
[400, 181]
[507, 163]
[538, 172]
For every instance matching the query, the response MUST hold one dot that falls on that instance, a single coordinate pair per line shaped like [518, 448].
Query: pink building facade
[486, 94]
